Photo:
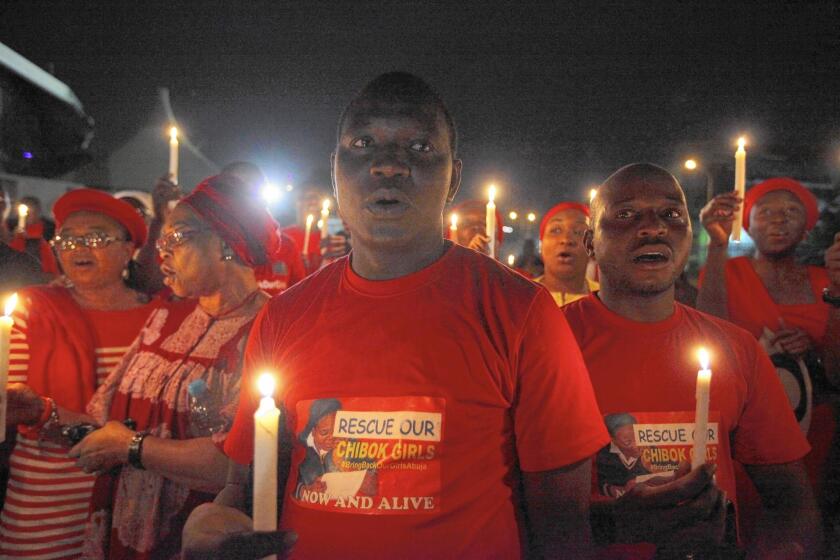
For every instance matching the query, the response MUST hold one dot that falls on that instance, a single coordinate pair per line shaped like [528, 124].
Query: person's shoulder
[469, 262]
[324, 279]
[726, 329]
[577, 311]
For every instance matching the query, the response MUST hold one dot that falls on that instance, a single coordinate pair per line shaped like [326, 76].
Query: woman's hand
[104, 448]
[23, 404]
[718, 216]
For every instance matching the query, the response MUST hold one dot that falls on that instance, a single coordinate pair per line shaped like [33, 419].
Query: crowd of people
[435, 402]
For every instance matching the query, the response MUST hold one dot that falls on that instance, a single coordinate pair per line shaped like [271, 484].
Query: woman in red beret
[790, 307]
[65, 341]
[152, 476]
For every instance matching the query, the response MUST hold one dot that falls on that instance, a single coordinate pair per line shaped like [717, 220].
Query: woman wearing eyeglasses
[210, 244]
[65, 341]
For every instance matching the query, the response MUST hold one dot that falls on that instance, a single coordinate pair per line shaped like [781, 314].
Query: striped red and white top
[48, 497]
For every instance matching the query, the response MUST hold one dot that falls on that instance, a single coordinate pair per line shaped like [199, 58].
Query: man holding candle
[641, 350]
[459, 380]
[471, 228]
[564, 257]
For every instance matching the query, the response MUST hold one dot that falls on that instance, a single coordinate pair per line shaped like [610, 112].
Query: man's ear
[332, 177]
[454, 180]
[588, 236]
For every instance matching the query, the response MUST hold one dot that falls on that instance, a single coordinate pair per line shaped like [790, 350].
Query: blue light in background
[27, 155]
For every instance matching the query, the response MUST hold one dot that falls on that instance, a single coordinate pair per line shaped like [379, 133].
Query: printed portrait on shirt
[647, 448]
[369, 455]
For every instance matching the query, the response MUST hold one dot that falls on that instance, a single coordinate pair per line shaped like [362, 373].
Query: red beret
[475, 203]
[584, 209]
[808, 200]
[92, 200]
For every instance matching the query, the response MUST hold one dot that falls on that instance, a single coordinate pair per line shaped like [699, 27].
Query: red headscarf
[797, 189]
[92, 200]
[474, 203]
[247, 228]
[559, 208]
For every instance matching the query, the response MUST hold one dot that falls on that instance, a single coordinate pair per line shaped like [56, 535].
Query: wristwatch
[830, 299]
[135, 450]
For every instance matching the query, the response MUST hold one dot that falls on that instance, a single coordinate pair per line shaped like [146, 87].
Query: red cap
[559, 208]
[808, 200]
[92, 200]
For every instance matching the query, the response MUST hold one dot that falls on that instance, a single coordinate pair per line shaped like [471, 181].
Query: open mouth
[565, 257]
[651, 257]
[83, 263]
[388, 203]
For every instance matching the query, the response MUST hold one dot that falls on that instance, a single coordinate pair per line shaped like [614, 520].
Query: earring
[125, 273]
[227, 253]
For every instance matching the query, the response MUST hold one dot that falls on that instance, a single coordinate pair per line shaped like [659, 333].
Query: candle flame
[325, 206]
[690, 164]
[592, 194]
[173, 133]
[492, 193]
[320, 224]
[309, 219]
[23, 210]
[531, 216]
[266, 384]
[453, 220]
[703, 356]
[742, 142]
[511, 260]
[11, 303]
[513, 215]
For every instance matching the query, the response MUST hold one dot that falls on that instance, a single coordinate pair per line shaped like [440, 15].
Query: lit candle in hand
[6, 323]
[453, 227]
[310, 219]
[173, 155]
[490, 220]
[740, 187]
[23, 212]
[701, 412]
[325, 215]
[266, 426]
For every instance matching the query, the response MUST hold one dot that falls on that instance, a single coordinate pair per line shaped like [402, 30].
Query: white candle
[6, 323]
[266, 426]
[173, 154]
[453, 227]
[511, 260]
[701, 412]
[740, 187]
[23, 212]
[325, 215]
[309, 220]
[490, 220]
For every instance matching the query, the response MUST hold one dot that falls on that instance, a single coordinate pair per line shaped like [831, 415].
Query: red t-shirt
[313, 252]
[285, 270]
[645, 375]
[441, 383]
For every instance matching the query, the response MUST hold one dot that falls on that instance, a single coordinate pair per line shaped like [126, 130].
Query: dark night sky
[547, 99]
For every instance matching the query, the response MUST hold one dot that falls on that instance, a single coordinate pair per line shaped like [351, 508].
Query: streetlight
[693, 165]
[513, 215]
[531, 216]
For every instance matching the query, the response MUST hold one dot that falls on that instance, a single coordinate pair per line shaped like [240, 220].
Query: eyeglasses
[165, 243]
[96, 240]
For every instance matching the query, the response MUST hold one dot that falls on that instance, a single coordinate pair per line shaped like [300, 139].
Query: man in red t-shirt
[640, 347]
[432, 397]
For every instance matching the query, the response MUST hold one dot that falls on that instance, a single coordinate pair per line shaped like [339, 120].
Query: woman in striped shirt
[65, 341]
